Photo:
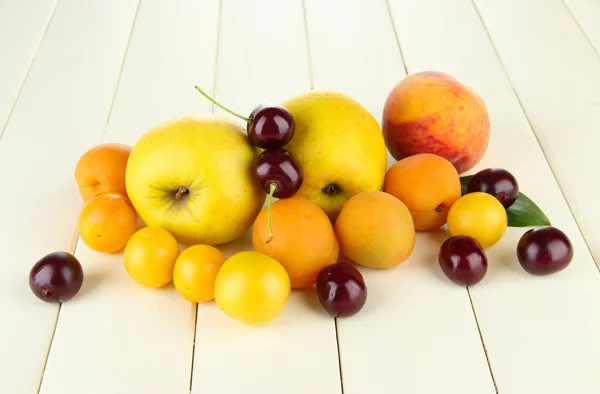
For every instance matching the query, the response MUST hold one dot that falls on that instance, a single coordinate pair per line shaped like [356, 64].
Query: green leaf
[464, 182]
[523, 213]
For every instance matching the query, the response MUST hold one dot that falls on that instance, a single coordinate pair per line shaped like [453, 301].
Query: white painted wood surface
[27, 20]
[172, 47]
[415, 319]
[61, 111]
[86, 80]
[587, 16]
[533, 328]
[559, 88]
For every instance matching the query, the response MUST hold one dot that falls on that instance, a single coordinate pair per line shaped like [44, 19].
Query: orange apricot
[303, 240]
[428, 185]
[106, 222]
[376, 230]
[102, 170]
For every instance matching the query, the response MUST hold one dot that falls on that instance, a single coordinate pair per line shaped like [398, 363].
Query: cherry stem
[271, 191]
[221, 106]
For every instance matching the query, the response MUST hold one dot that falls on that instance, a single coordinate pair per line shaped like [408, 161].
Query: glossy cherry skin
[279, 167]
[498, 182]
[56, 277]
[271, 126]
[462, 260]
[544, 250]
[341, 289]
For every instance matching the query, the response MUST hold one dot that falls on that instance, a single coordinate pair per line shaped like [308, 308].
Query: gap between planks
[482, 341]
[580, 26]
[35, 52]
[214, 91]
[397, 37]
[73, 248]
[533, 130]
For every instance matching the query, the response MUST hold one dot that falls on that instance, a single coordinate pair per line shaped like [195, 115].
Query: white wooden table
[76, 73]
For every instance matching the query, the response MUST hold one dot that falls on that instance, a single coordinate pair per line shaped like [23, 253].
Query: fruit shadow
[430, 243]
[310, 299]
[91, 281]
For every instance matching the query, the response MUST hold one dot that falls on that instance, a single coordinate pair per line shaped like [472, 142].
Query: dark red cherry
[271, 127]
[268, 126]
[56, 277]
[462, 260]
[544, 250]
[278, 167]
[341, 289]
[498, 182]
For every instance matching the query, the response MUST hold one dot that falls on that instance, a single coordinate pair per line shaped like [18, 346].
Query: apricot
[428, 185]
[376, 230]
[106, 222]
[303, 239]
[433, 112]
[102, 170]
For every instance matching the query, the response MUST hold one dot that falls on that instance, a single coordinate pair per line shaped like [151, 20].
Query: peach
[432, 112]
[428, 185]
[375, 229]
[102, 170]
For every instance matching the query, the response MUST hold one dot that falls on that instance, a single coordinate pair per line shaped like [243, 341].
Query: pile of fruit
[319, 161]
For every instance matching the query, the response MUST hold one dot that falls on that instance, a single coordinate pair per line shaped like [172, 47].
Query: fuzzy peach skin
[432, 112]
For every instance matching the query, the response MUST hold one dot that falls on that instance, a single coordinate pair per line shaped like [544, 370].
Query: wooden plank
[22, 26]
[262, 58]
[61, 111]
[120, 336]
[562, 115]
[587, 14]
[541, 334]
[414, 325]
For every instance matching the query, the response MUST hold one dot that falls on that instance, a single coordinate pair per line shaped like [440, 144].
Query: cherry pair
[271, 127]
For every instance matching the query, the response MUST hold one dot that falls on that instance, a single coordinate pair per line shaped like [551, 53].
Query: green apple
[193, 177]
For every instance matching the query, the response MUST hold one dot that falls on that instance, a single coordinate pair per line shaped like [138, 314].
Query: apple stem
[182, 190]
[247, 120]
[271, 191]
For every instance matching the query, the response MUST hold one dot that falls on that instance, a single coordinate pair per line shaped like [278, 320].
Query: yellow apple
[193, 177]
[339, 146]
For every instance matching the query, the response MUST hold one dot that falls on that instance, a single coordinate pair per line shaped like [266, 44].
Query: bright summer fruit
[150, 257]
[278, 173]
[195, 271]
[303, 240]
[106, 222]
[428, 185]
[270, 126]
[480, 216]
[544, 250]
[376, 230]
[252, 288]
[432, 112]
[339, 146]
[102, 170]
[462, 260]
[498, 182]
[56, 277]
[174, 181]
[341, 290]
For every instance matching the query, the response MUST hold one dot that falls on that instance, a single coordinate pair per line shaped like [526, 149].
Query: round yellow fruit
[193, 177]
[339, 146]
[195, 272]
[252, 288]
[150, 256]
[480, 216]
